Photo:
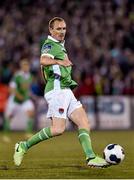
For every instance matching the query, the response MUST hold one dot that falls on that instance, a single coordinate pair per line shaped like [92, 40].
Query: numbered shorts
[61, 103]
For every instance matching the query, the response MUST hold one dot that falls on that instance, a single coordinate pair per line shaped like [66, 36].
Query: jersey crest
[46, 48]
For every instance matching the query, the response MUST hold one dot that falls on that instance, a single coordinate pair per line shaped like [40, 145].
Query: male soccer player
[19, 100]
[56, 68]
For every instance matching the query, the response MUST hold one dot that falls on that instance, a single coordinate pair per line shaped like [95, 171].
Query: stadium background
[100, 42]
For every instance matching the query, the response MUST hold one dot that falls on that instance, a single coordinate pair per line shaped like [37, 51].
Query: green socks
[42, 135]
[6, 125]
[85, 141]
[30, 124]
[45, 134]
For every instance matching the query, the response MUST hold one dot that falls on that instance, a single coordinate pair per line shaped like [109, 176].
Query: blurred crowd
[99, 40]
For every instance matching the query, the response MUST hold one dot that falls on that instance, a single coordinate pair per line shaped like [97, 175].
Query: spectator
[86, 87]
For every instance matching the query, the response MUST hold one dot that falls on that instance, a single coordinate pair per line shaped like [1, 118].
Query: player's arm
[47, 60]
[48, 54]
[18, 95]
[14, 91]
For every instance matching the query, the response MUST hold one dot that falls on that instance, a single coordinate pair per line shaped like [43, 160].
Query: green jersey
[57, 77]
[22, 82]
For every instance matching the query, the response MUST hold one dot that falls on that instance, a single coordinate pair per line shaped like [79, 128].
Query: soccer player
[56, 68]
[19, 100]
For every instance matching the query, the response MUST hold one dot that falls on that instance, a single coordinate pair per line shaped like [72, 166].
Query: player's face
[59, 30]
[25, 67]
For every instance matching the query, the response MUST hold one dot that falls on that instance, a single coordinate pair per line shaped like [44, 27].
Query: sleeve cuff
[46, 54]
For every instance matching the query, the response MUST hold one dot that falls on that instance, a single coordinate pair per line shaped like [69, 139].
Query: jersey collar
[53, 39]
[22, 73]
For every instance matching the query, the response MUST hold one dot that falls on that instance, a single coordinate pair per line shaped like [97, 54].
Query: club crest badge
[61, 110]
[46, 48]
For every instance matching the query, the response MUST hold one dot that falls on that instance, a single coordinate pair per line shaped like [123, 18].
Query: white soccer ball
[114, 153]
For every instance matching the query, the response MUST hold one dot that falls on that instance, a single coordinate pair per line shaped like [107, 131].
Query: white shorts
[61, 103]
[13, 108]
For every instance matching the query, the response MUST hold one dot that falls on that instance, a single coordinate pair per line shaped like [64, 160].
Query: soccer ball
[113, 153]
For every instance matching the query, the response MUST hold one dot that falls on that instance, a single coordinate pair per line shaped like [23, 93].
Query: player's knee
[58, 130]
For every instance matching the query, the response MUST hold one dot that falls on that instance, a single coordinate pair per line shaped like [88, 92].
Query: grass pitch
[62, 157]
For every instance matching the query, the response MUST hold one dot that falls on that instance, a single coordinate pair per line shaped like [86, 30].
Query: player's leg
[30, 121]
[55, 102]
[58, 115]
[29, 109]
[10, 106]
[57, 128]
[78, 115]
[9, 113]
[84, 138]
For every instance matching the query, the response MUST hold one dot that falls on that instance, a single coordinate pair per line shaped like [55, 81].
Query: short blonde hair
[24, 62]
[51, 22]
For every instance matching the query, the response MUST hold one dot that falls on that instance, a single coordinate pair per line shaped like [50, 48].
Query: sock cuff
[80, 131]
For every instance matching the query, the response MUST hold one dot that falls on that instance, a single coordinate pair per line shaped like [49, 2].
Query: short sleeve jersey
[22, 82]
[57, 77]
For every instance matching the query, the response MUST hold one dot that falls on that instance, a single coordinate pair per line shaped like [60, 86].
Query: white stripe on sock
[40, 137]
[83, 134]
[45, 133]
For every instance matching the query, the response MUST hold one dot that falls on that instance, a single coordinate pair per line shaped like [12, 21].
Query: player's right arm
[13, 91]
[48, 54]
[46, 61]
[17, 94]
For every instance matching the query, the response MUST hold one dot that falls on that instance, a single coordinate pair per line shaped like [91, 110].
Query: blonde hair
[24, 62]
[51, 22]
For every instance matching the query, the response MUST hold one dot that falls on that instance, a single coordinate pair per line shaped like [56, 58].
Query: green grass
[62, 157]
